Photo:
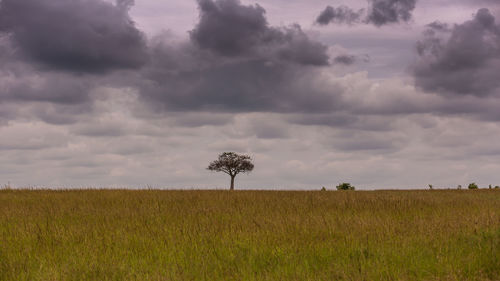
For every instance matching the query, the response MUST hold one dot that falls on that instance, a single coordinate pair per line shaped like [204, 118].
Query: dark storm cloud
[380, 12]
[228, 28]
[390, 11]
[76, 35]
[239, 86]
[342, 14]
[20, 82]
[465, 62]
[53, 97]
[236, 62]
[72, 37]
[269, 69]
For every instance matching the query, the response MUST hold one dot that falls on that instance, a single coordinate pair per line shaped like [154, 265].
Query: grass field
[249, 235]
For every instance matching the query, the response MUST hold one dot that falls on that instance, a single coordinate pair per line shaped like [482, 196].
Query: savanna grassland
[249, 235]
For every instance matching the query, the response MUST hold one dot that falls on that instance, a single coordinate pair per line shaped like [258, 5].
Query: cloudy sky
[379, 93]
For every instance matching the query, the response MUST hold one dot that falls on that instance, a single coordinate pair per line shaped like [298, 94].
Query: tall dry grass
[249, 235]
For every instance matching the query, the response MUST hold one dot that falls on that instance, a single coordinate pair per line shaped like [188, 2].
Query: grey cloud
[269, 69]
[125, 4]
[77, 35]
[59, 114]
[380, 12]
[345, 59]
[330, 120]
[266, 70]
[390, 11]
[366, 141]
[293, 45]
[262, 126]
[363, 143]
[52, 88]
[438, 26]
[466, 63]
[239, 86]
[27, 136]
[474, 107]
[195, 120]
[341, 14]
[354, 121]
[228, 28]
[276, 74]
[131, 148]
[53, 97]
[403, 101]
[100, 129]
[263, 131]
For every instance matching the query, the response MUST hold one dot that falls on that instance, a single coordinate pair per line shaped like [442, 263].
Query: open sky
[378, 93]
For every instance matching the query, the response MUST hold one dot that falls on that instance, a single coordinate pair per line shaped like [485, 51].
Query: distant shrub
[490, 187]
[473, 186]
[430, 186]
[497, 187]
[459, 186]
[323, 188]
[345, 186]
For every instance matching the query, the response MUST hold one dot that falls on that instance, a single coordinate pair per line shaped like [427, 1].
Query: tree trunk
[232, 183]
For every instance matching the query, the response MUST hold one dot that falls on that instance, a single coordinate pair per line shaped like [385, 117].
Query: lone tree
[232, 164]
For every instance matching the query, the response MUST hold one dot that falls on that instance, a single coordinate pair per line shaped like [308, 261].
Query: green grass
[249, 235]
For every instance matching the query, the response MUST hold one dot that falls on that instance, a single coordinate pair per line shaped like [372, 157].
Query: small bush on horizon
[345, 186]
[473, 186]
